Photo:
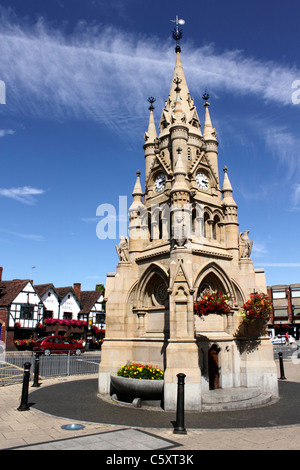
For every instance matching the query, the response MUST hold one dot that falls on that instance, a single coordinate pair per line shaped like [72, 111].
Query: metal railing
[55, 365]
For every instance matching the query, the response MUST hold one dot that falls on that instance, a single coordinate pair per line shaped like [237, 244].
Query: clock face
[202, 181]
[160, 182]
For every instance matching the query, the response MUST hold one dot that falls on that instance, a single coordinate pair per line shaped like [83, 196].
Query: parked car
[281, 339]
[57, 345]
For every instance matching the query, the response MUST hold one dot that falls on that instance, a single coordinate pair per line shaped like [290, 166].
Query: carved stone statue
[245, 245]
[123, 249]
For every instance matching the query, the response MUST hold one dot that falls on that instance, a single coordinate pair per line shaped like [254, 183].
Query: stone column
[182, 351]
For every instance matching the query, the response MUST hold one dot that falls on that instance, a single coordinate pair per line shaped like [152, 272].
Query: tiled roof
[10, 290]
[40, 289]
[88, 299]
[62, 291]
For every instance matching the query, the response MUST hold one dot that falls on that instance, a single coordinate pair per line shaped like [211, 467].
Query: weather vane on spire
[177, 33]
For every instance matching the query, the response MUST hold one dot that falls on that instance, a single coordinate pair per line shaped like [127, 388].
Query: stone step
[240, 401]
[224, 395]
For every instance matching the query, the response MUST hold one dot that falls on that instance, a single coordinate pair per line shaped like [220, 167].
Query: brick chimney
[77, 289]
[1, 271]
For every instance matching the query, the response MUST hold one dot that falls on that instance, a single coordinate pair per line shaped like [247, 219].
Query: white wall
[27, 296]
[51, 302]
[69, 304]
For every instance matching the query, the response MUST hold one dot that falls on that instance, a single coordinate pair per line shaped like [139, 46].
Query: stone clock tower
[183, 238]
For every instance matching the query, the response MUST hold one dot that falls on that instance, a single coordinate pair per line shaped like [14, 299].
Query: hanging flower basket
[212, 302]
[65, 322]
[258, 307]
[20, 344]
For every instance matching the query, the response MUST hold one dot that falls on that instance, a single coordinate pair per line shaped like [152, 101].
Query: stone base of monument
[240, 398]
[140, 393]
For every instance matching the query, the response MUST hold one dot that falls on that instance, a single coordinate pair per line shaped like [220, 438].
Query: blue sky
[77, 76]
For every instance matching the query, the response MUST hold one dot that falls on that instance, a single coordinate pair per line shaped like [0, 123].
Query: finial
[138, 173]
[177, 33]
[205, 96]
[225, 169]
[151, 100]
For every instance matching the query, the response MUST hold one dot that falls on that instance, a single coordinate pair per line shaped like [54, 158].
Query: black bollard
[179, 425]
[282, 377]
[36, 370]
[24, 399]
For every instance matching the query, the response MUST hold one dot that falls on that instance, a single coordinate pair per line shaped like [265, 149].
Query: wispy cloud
[102, 74]
[4, 132]
[282, 265]
[259, 249]
[284, 146]
[296, 197]
[27, 236]
[25, 194]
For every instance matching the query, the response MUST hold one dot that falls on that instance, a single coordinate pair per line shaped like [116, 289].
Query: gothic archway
[153, 288]
[212, 278]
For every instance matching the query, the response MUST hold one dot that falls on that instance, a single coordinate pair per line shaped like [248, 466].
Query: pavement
[69, 401]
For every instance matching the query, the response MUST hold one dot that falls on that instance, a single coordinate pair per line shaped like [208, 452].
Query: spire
[180, 183]
[179, 167]
[227, 190]
[209, 132]
[137, 190]
[137, 205]
[151, 134]
[179, 74]
[178, 71]
[177, 100]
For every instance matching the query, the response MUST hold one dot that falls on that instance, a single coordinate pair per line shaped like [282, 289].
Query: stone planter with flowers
[137, 383]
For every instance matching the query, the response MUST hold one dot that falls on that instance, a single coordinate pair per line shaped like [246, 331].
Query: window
[27, 312]
[280, 312]
[67, 316]
[54, 340]
[279, 294]
[206, 219]
[67, 341]
[216, 228]
[48, 313]
[100, 318]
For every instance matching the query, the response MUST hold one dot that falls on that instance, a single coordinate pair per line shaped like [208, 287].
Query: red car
[58, 345]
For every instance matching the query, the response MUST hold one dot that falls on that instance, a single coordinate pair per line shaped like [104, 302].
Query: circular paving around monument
[78, 400]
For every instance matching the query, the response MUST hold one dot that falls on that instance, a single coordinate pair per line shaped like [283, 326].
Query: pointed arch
[239, 295]
[212, 277]
[152, 289]
[131, 295]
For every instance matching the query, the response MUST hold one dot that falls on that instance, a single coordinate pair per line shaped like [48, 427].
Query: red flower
[214, 302]
[258, 306]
